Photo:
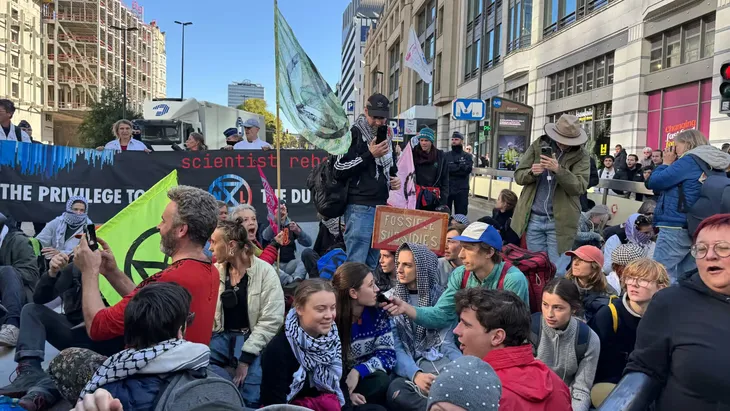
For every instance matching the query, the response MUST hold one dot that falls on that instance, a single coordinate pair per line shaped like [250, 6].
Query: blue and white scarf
[71, 220]
[319, 358]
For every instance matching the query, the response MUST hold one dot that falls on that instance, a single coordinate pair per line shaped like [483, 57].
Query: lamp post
[124, 66]
[182, 62]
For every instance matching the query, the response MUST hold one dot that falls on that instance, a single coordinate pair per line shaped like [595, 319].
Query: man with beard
[460, 165]
[366, 166]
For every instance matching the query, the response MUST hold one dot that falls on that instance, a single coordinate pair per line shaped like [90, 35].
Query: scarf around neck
[421, 157]
[333, 226]
[633, 234]
[320, 359]
[168, 356]
[72, 219]
[384, 162]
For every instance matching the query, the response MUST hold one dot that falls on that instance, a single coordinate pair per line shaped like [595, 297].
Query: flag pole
[277, 137]
[402, 72]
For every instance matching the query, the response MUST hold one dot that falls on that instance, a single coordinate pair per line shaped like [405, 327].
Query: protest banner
[395, 226]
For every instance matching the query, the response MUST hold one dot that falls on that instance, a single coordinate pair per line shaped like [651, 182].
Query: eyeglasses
[721, 249]
[641, 282]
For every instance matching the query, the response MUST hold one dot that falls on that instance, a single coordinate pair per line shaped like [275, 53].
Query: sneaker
[9, 335]
[37, 401]
[27, 376]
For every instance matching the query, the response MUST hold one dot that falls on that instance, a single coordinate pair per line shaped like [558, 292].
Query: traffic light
[725, 89]
[487, 128]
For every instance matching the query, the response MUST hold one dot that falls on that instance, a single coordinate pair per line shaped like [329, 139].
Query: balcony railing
[77, 17]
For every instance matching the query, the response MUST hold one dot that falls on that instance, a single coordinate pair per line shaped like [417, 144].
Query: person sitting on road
[329, 237]
[457, 389]
[290, 267]
[620, 258]
[60, 235]
[637, 230]
[590, 226]
[450, 261]
[420, 353]
[502, 212]
[247, 214]
[249, 310]
[155, 323]
[483, 267]
[18, 277]
[585, 272]
[385, 274]
[558, 342]
[122, 130]
[365, 332]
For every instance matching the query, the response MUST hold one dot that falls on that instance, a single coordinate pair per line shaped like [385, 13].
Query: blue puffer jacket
[665, 181]
[138, 392]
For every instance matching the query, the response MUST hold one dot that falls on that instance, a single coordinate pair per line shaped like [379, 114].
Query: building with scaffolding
[85, 53]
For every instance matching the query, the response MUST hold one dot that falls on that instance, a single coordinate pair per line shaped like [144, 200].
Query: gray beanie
[469, 383]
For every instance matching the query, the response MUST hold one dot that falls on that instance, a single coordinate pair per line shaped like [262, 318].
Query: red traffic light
[725, 71]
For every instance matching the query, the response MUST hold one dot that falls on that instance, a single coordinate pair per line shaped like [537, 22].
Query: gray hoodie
[716, 158]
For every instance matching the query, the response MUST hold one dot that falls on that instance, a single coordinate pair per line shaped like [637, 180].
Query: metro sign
[468, 109]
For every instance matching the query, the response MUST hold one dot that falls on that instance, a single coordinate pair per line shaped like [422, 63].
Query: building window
[440, 23]
[15, 90]
[519, 24]
[562, 13]
[14, 13]
[580, 78]
[15, 61]
[684, 44]
[518, 94]
[14, 36]
[431, 13]
[394, 69]
[437, 75]
[423, 93]
[492, 27]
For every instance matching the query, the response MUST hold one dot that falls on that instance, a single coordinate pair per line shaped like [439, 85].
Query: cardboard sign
[395, 226]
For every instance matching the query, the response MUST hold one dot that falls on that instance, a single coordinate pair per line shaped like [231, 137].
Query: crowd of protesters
[240, 319]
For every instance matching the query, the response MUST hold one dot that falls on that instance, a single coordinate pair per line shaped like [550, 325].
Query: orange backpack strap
[465, 278]
[614, 313]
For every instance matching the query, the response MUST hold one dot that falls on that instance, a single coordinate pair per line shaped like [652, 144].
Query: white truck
[170, 121]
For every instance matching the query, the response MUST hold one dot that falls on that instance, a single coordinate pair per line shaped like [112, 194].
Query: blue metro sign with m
[468, 109]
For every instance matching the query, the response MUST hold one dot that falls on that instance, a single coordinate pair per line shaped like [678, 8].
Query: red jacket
[527, 383]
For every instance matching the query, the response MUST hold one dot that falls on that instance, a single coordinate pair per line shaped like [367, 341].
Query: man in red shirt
[494, 325]
[188, 221]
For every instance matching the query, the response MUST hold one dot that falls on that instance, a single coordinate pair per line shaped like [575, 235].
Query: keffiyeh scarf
[368, 134]
[320, 359]
[166, 357]
[634, 235]
[71, 220]
[425, 342]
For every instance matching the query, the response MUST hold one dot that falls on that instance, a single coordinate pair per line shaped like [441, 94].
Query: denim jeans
[359, 224]
[541, 237]
[672, 250]
[12, 294]
[225, 348]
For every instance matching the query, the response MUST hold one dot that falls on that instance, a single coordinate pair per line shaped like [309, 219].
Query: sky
[233, 40]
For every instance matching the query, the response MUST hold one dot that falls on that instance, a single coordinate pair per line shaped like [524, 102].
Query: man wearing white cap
[252, 140]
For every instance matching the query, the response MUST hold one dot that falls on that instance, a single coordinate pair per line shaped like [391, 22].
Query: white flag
[416, 60]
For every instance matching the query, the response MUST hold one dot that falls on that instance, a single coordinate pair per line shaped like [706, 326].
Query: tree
[96, 129]
[258, 106]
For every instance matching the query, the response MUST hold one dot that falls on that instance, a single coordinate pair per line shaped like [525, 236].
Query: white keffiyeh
[368, 135]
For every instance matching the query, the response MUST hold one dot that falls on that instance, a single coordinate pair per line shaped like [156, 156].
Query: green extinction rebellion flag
[305, 98]
[133, 237]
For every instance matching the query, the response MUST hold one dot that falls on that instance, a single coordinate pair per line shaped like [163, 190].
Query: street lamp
[182, 63]
[124, 66]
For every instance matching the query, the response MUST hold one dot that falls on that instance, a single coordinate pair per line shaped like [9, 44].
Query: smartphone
[91, 236]
[381, 298]
[546, 151]
[382, 134]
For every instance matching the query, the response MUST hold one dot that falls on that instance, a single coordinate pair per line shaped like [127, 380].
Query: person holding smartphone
[554, 173]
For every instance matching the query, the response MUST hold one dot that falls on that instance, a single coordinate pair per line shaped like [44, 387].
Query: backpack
[614, 313]
[714, 196]
[581, 342]
[536, 267]
[328, 195]
[189, 389]
[328, 263]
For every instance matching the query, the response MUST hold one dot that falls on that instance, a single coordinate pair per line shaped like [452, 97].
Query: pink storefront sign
[677, 109]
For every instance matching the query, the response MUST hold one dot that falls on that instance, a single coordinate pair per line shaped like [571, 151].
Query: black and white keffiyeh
[166, 357]
[429, 291]
[320, 359]
[368, 134]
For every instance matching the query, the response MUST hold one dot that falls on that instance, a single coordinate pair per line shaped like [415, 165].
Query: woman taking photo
[565, 343]
[195, 142]
[367, 339]
[122, 130]
[303, 363]
[678, 183]
[586, 273]
[681, 342]
[249, 312]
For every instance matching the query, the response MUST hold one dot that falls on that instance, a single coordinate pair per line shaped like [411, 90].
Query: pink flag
[272, 203]
[406, 196]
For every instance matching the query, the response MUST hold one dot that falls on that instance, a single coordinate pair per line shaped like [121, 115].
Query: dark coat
[460, 165]
[434, 174]
[17, 252]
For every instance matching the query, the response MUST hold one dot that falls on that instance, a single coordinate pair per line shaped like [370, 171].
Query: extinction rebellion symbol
[140, 262]
[231, 189]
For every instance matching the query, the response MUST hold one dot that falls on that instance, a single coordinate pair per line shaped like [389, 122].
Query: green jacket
[17, 252]
[443, 314]
[572, 179]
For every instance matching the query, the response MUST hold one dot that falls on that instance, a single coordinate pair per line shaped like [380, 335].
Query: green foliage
[96, 129]
[258, 106]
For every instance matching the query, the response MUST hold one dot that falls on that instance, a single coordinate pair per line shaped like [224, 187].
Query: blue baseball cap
[481, 233]
[251, 122]
[231, 132]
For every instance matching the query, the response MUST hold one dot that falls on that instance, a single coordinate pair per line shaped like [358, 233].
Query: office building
[635, 72]
[359, 18]
[159, 62]
[239, 92]
[84, 54]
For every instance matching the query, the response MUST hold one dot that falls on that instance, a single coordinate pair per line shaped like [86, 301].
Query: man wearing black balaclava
[460, 164]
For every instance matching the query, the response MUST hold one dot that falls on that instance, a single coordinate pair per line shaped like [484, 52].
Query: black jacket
[17, 252]
[628, 174]
[682, 344]
[460, 164]
[615, 346]
[505, 221]
[67, 285]
[325, 241]
[619, 161]
[434, 174]
[368, 181]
